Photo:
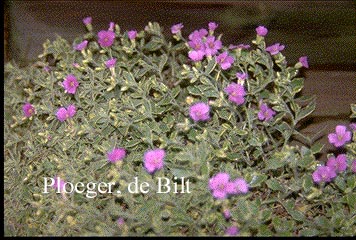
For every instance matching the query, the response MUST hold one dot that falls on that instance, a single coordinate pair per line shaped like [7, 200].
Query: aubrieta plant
[218, 124]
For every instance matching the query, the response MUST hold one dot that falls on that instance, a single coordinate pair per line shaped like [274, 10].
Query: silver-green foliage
[144, 104]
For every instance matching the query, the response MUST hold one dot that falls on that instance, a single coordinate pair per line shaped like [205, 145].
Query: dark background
[325, 31]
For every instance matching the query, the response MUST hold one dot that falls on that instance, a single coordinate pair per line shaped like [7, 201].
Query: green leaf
[316, 148]
[309, 232]
[278, 160]
[304, 112]
[257, 180]
[162, 62]
[296, 215]
[210, 66]
[274, 185]
[297, 85]
[179, 172]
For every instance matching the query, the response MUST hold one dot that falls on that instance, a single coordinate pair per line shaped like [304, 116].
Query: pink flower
[265, 113]
[63, 113]
[197, 44]
[212, 46]
[76, 65]
[236, 93]
[304, 61]
[323, 174]
[47, 68]
[340, 137]
[71, 110]
[81, 46]
[232, 231]
[70, 84]
[227, 214]
[338, 164]
[212, 26]
[120, 222]
[87, 20]
[220, 185]
[153, 160]
[198, 34]
[241, 75]
[59, 184]
[132, 34]
[240, 186]
[106, 38]
[275, 48]
[261, 31]
[110, 63]
[111, 26]
[243, 46]
[176, 28]
[199, 112]
[117, 154]
[28, 109]
[196, 56]
[353, 166]
[224, 60]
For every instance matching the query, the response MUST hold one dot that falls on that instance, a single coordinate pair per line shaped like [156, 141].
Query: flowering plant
[121, 106]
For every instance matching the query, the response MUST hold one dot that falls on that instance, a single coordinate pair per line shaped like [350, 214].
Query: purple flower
[243, 46]
[241, 75]
[176, 28]
[232, 231]
[28, 109]
[76, 65]
[261, 31]
[70, 84]
[132, 34]
[117, 154]
[220, 185]
[212, 46]
[111, 26]
[275, 48]
[153, 160]
[59, 184]
[87, 20]
[353, 126]
[212, 26]
[340, 137]
[265, 112]
[120, 221]
[227, 214]
[196, 56]
[47, 68]
[304, 61]
[353, 166]
[199, 112]
[323, 174]
[110, 63]
[224, 60]
[240, 186]
[338, 164]
[198, 34]
[71, 111]
[106, 38]
[63, 113]
[197, 44]
[81, 46]
[236, 93]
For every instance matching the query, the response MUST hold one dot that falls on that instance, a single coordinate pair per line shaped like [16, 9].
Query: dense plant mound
[208, 127]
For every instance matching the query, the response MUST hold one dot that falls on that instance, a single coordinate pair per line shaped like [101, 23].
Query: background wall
[324, 31]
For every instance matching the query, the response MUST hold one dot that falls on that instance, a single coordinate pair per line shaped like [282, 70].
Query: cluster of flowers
[337, 164]
[202, 44]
